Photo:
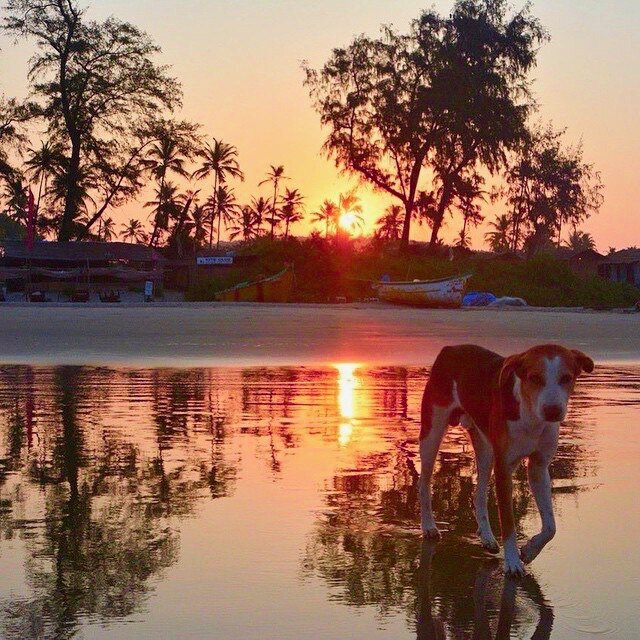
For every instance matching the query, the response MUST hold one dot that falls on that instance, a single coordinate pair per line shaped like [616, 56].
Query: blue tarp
[478, 299]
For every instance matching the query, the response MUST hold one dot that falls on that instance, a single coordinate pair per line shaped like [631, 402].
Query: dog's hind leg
[484, 465]
[435, 420]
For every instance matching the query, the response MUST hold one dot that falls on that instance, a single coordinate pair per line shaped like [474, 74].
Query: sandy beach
[180, 335]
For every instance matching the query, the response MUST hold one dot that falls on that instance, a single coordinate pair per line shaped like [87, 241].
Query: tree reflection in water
[98, 467]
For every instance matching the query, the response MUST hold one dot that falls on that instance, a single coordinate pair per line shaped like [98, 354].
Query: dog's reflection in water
[474, 597]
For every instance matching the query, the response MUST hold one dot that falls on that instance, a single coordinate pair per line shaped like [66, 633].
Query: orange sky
[239, 62]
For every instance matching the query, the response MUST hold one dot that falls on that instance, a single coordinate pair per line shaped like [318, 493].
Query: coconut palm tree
[14, 195]
[274, 176]
[327, 214]
[498, 237]
[260, 209]
[220, 160]
[164, 206]
[134, 231]
[350, 211]
[223, 207]
[389, 226]
[167, 155]
[107, 230]
[198, 225]
[43, 163]
[246, 225]
[292, 209]
[581, 241]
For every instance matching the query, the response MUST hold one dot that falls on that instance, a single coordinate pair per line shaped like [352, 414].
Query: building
[586, 263]
[58, 266]
[621, 266]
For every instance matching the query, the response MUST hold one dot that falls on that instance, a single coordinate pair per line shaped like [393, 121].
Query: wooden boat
[443, 293]
[276, 288]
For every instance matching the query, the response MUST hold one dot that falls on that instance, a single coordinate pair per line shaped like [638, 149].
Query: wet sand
[180, 335]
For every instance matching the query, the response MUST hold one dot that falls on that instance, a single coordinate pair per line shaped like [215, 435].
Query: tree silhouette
[450, 95]
[134, 231]
[274, 177]
[292, 209]
[499, 237]
[96, 86]
[389, 226]
[221, 161]
[328, 214]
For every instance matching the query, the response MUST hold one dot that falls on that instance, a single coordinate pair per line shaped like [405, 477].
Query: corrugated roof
[82, 251]
[625, 256]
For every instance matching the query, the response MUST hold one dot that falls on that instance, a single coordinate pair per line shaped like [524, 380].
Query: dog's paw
[529, 553]
[514, 567]
[432, 533]
[489, 543]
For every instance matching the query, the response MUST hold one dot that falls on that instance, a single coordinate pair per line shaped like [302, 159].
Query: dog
[512, 408]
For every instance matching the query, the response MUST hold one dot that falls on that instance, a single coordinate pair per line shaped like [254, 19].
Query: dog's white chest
[528, 437]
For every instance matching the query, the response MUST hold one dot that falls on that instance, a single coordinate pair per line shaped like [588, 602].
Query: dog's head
[545, 378]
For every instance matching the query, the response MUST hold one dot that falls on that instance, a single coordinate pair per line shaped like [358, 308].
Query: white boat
[443, 293]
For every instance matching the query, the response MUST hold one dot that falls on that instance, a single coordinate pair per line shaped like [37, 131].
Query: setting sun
[347, 222]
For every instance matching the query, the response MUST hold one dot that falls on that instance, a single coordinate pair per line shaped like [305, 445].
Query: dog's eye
[566, 378]
[536, 379]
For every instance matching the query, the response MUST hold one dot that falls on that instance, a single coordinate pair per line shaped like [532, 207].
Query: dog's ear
[583, 362]
[512, 364]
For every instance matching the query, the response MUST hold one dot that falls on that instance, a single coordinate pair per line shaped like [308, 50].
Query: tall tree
[96, 85]
[328, 214]
[42, 164]
[219, 159]
[175, 145]
[389, 226]
[260, 210]
[292, 209]
[134, 231]
[499, 236]
[275, 176]
[549, 184]
[245, 225]
[450, 95]
[222, 207]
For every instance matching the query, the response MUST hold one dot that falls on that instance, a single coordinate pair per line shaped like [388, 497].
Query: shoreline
[181, 335]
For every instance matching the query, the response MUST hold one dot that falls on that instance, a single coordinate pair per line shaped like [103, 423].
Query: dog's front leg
[503, 471]
[540, 483]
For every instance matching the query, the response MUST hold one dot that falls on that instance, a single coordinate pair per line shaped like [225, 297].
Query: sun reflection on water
[348, 382]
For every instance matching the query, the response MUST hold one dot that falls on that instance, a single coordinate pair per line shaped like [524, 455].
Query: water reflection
[101, 469]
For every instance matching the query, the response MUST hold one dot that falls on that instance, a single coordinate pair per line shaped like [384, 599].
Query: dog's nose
[552, 412]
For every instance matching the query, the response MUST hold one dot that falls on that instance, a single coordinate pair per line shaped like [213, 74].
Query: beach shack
[78, 268]
[586, 262]
[621, 266]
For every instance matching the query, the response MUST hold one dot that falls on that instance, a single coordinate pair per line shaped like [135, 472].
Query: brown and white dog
[512, 408]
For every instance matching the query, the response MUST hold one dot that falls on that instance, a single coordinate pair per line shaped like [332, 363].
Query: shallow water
[282, 503]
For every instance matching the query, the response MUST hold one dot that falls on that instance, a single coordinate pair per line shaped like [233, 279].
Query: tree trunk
[213, 211]
[156, 222]
[437, 223]
[406, 227]
[273, 212]
[71, 196]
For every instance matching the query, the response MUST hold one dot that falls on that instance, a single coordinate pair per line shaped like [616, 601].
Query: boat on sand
[276, 288]
[443, 293]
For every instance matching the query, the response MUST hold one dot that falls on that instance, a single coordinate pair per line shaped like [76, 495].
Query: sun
[347, 221]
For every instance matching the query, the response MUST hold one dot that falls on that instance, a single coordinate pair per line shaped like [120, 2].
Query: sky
[240, 65]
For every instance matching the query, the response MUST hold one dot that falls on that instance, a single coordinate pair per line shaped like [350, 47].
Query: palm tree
[328, 214]
[223, 207]
[350, 210]
[107, 230]
[134, 231]
[221, 161]
[168, 154]
[389, 226]
[198, 225]
[15, 196]
[260, 209]
[247, 224]
[44, 163]
[164, 207]
[498, 238]
[292, 209]
[581, 241]
[274, 176]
